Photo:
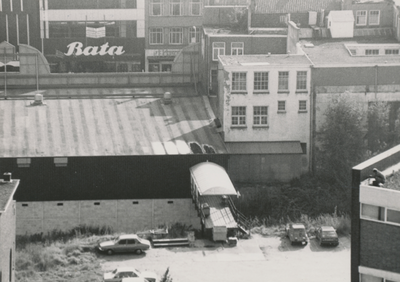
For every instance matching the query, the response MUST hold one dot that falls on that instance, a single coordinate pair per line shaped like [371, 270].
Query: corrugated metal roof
[295, 6]
[101, 127]
[212, 179]
[264, 147]
[220, 215]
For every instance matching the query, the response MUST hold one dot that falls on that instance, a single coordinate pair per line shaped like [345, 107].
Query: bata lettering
[75, 48]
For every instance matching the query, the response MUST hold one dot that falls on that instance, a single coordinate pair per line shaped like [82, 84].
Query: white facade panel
[94, 15]
[381, 197]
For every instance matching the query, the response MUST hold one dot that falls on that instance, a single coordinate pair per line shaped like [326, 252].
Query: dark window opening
[60, 204]
[24, 205]
[135, 202]
[170, 202]
[97, 204]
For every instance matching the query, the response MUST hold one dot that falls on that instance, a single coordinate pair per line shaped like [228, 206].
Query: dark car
[296, 232]
[326, 235]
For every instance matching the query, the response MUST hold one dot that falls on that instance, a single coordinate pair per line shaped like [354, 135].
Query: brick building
[8, 187]
[375, 225]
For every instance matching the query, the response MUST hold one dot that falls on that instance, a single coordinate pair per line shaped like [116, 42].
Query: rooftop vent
[7, 177]
[38, 100]
[167, 99]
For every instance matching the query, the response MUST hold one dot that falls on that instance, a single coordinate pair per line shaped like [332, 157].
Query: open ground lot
[256, 259]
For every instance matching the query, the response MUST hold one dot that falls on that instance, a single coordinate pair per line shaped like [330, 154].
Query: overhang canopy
[264, 148]
[212, 179]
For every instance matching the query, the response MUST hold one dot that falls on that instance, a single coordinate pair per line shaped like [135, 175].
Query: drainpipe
[376, 81]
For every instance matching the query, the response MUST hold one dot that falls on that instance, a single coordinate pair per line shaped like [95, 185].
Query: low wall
[128, 216]
[133, 79]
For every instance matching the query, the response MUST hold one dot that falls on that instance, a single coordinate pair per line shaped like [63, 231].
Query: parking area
[261, 258]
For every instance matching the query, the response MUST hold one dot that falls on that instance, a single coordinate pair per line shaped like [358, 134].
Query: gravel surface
[257, 259]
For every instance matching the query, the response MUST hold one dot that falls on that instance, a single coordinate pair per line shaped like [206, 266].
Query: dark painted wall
[348, 76]
[114, 177]
[379, 246]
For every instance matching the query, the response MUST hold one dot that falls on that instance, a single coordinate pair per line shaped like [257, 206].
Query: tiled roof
[107, 127]
[294, 6]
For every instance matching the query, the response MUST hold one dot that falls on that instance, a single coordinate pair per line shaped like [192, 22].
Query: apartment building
[375, 224]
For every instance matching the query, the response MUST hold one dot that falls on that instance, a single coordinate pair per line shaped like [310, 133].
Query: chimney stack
[7, 177]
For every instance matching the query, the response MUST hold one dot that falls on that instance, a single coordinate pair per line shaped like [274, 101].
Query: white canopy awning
[212, 179]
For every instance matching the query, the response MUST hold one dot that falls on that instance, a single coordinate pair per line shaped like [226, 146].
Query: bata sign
[76, 48]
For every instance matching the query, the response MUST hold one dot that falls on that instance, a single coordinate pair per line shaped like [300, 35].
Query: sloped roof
[212, 179]
[294, 6]
[107, 127]
[7, 190]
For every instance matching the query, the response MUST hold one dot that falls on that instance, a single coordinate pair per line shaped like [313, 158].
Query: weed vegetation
[310, 200]
[60, 255]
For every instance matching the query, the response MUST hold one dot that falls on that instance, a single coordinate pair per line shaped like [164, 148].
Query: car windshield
[329, 233]
[115, 271]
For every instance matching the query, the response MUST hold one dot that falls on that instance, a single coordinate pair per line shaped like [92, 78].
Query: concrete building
[375, 223]
[170, 26]
[119, 162]
[264, 109]
[8, 186]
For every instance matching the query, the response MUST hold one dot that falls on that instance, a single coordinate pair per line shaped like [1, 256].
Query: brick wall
[7, 239]
[379, 246]
[122, 215]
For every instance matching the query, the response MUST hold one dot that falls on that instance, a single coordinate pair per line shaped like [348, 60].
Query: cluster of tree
[352, 133]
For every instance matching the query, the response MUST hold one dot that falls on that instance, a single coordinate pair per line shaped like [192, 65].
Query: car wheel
[110, 252]
[139, 251]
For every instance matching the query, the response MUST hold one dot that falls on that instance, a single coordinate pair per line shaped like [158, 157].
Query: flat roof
[7, 190]
[107, 127]
[295, 6]
[335, 53]
[264, 60]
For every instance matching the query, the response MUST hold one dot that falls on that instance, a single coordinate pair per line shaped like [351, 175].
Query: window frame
[154, 3]
[280, 103]
[384, 216]
[301, 80]
[359, 16]
[172, 4]
[237, 49]
[200, 6]
[301, 104]
[196, 32]
[392, 52]
[176, 33]
[239, 113]
[371, 52]
[238, 80]
[152, 33]
[283, 81]
[378, 18]
[220, 50]
[258, 83]
[261, 114]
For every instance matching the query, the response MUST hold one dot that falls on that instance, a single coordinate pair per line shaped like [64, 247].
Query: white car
[118, 275]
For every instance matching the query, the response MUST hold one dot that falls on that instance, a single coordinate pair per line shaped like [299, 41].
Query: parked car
[296, 232]
[123, 273]
[326, 235]
[124, 243]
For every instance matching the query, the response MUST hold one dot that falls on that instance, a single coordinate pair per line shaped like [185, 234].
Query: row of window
[261, 81]
[380, 214]
[156, 35]
[92, 4]
[237, 48]
[260, 113]
[372, 19]
[371, 52]
[98, 203]
[175, 8]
